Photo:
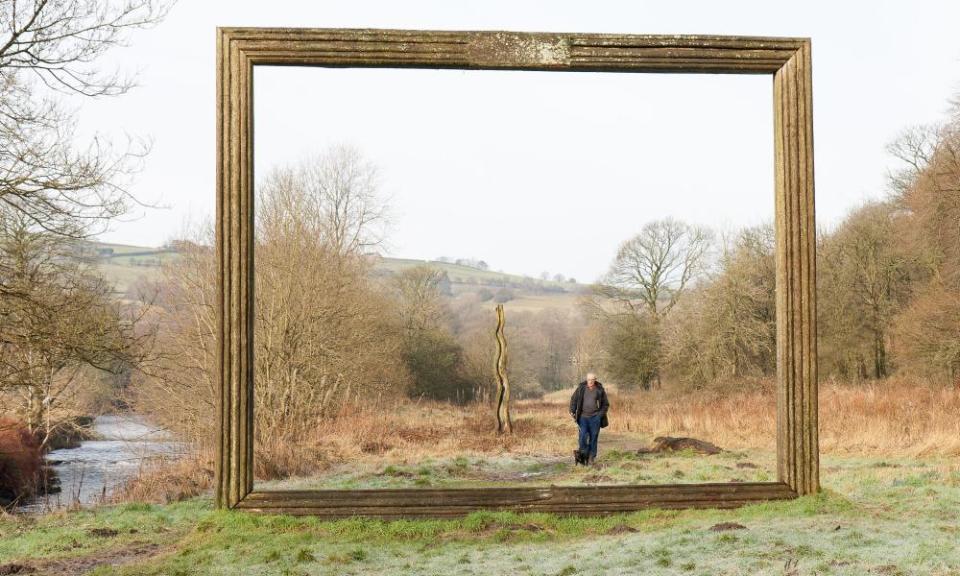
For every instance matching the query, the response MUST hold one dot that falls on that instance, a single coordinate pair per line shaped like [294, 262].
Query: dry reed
[895, 417]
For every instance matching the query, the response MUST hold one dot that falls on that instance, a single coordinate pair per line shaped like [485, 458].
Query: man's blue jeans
[589, 434]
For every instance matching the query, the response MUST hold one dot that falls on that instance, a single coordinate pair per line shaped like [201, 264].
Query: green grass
[126, 249]
[875, 516]
[74, 534]
[613, 467]
[129, 264]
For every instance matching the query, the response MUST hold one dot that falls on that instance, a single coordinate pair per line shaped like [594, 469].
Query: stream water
[96, 468]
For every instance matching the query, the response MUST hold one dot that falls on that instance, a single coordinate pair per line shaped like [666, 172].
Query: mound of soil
[9, 569]
[83, 564]
[671, 444]
[621, 529]
[724, 526]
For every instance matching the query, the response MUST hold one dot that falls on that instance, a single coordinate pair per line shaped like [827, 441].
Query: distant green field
[127, 249]
[126, 265]
[460, 273]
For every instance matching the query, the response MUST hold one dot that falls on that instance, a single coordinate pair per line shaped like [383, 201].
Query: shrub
[484, 294]
[503, 295]
[21, 461]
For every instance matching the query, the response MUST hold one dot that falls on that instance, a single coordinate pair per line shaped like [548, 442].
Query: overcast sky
[539, 172]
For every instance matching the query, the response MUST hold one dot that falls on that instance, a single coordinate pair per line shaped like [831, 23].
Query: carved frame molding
[787, 60]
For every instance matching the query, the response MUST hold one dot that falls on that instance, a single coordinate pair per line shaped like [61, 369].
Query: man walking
[588, 406]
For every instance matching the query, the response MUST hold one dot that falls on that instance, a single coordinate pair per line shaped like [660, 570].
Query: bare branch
[62, 39]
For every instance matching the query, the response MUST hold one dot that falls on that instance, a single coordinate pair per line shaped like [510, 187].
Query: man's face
[591, 380]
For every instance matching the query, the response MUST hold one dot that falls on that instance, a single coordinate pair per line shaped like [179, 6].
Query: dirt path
[84, 564]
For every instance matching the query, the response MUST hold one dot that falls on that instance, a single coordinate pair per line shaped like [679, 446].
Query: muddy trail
[84, 564]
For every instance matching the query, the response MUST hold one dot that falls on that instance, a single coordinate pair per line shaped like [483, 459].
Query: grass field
[613, 467]
[126, 265]
[890, 505]
[876, 515]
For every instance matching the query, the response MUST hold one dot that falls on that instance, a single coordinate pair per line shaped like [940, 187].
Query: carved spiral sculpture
[503, 383]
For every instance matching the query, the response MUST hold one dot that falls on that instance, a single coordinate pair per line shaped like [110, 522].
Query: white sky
[509, 166]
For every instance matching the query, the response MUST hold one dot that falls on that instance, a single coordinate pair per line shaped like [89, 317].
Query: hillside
[124, 265]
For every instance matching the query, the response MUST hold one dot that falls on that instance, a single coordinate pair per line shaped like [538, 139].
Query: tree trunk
[879, 356]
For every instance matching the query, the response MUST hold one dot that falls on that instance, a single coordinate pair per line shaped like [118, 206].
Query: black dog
[580, 457]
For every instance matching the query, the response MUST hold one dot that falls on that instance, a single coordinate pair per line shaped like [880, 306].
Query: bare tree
[434, 358]
[338, 197]
[60, 327]
[588, 349]
[864, 280]
[914, 147]
[657, 265]
[928, 332]
[647, 278]
[727, 327]
[49, 47]
[179, 389]
[325, 334]
[60, 40]
[419, 296]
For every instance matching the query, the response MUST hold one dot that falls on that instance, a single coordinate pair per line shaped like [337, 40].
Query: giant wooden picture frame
[787, 60]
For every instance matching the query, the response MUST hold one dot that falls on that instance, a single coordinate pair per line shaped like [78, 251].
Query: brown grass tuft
[894, 417]
[163, 481]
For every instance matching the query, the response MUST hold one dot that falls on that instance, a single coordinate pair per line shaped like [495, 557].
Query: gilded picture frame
[786, 60]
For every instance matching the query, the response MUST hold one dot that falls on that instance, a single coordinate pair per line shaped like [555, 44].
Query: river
[97, 467]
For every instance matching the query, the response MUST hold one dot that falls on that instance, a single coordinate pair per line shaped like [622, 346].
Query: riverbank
[89, 466]
[876, 516]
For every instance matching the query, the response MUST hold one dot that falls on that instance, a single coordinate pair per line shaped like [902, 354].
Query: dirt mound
[671, 444]
[83, 564]
[9, 569]
[621, 529]
[724, 526]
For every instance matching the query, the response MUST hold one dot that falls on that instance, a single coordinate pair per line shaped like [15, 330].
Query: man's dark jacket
[576, 402]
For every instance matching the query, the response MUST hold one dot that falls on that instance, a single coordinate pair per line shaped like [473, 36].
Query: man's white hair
[591, 375]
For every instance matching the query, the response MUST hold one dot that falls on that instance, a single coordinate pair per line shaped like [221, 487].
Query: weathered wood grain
[797, 440]
[234, 466]
[558, 499]
[504, 423]
[513, 50]
[787, 60]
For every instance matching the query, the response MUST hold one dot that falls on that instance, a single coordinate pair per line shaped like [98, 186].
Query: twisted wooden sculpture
[503, 384]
